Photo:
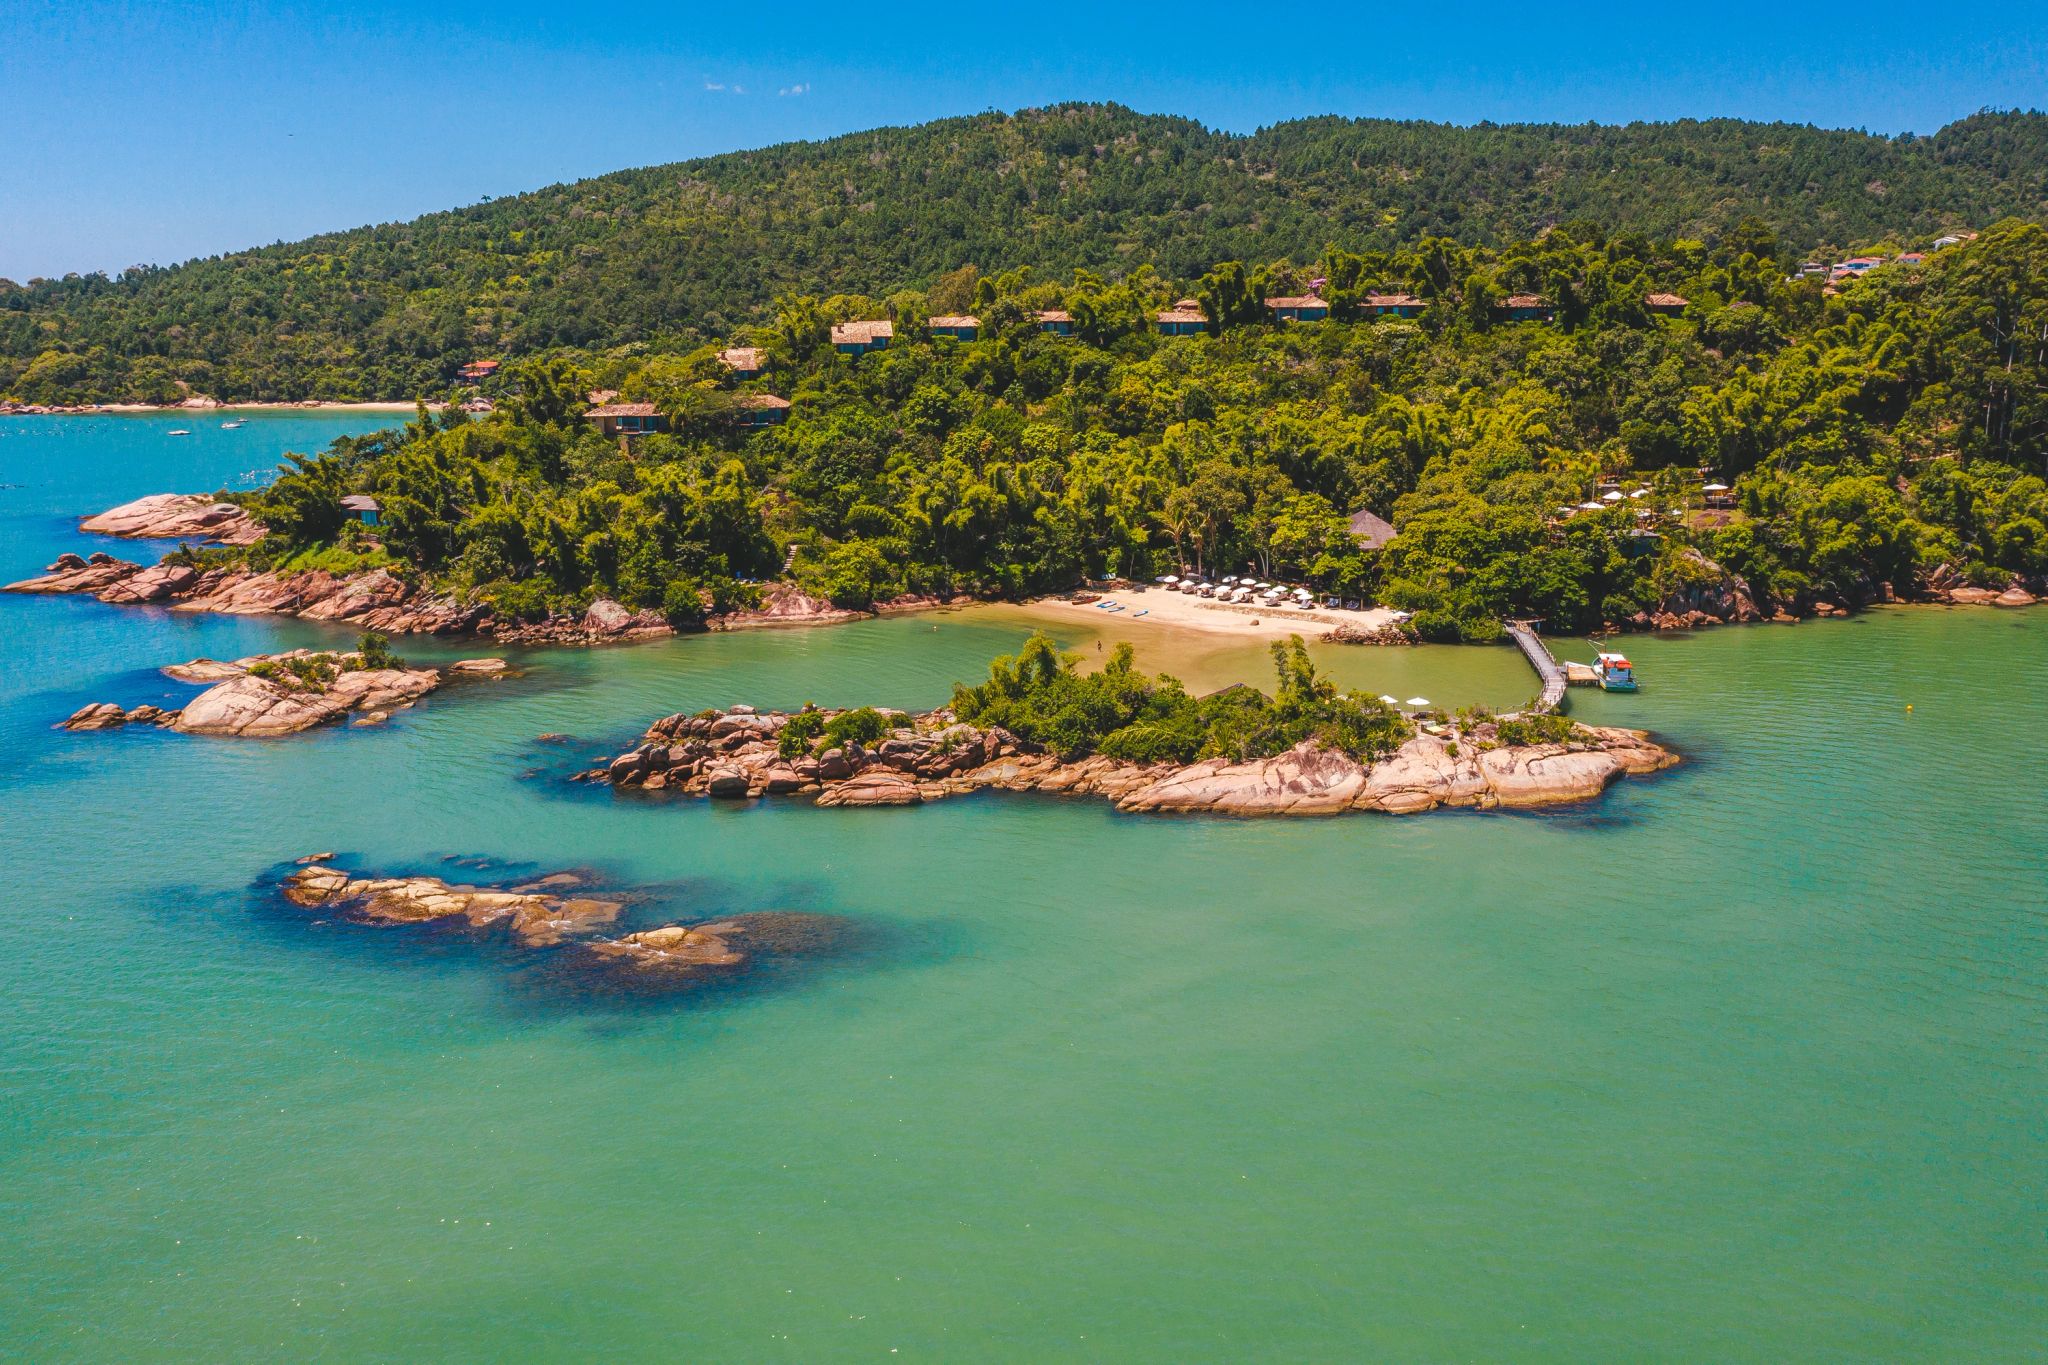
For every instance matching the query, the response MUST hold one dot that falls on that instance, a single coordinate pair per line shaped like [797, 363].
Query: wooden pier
[1523, 633]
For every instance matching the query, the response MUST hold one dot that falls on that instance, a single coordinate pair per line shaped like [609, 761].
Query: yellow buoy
[1909, 706]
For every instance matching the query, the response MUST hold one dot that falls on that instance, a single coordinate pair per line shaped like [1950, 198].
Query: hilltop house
[743, 361]
[858, 338]
[1525, 308]
[955, 327]
[754, 411]
[361, 507]
[477, 371]
[1394, 305]
[1664, 305]
[1056, 321]
[1298, 308]
[627, 419]
[1181, 322]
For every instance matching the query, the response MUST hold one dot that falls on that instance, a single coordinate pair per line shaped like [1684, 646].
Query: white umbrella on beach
[1389, 700]
[1170, 578]
[1714, 488]
[1416, 701]
[1610, 497]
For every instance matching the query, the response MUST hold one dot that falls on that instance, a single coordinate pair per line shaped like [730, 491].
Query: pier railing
[1523, 633]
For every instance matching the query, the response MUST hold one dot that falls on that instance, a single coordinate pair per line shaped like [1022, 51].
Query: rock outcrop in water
[177, 516]
[735, 755]
[560, 911]
[267, 695]
[536, 913]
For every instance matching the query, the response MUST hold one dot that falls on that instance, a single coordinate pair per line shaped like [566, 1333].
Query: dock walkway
[1523, 633]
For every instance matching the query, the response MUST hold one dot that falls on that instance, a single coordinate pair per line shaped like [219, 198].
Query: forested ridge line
[673, 255]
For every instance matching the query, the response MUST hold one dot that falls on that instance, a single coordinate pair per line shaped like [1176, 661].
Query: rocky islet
[269, 695]
[562, 911]
[737, 755]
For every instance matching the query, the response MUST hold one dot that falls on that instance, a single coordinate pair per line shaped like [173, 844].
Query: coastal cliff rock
[177, 516]
[375, 599]
[602, 622]
[69, 573]
[1708, 595]
[1303, 781]
[736, 755]
[785, 604]
[153, 584]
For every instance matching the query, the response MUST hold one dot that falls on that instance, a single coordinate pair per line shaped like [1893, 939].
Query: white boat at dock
[1614, 673]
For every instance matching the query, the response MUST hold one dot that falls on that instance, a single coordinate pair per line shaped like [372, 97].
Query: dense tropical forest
[1873, 433]
[668, 257]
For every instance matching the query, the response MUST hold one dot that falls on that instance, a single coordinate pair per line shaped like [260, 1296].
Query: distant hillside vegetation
[677, 254]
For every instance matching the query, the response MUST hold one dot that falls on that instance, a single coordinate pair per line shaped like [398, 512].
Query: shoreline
[176, 409]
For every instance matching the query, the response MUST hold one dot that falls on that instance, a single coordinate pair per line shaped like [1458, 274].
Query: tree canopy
[667, 257]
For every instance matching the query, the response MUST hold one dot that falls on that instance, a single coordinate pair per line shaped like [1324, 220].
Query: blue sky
[151, 133]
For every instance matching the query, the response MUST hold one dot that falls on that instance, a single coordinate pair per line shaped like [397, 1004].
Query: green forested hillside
[676, 254]
[1891, 432]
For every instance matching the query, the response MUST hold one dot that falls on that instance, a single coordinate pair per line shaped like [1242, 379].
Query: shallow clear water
[1749, 1060]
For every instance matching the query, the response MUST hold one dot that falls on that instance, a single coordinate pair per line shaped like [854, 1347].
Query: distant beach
[1164, 608]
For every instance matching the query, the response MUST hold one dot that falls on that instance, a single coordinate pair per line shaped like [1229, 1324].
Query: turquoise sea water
[1749, 1061]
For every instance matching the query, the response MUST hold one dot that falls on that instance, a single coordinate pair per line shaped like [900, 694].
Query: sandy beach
[1182, 611]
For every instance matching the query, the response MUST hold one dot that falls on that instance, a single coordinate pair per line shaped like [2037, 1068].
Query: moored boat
[1614, 673]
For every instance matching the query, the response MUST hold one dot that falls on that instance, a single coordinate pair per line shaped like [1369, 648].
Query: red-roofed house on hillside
[477, 371]
[1394, 305]
[955, 327]
[1664, 305]
[627, 419]
[1057, 321]
[858, 338]
[756, 410]
[1526, 308]
[743, 361]
[1181, 322]
[1298, 308]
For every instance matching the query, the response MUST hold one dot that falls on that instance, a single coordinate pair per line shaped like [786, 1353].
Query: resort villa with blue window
[1305, 308]
[858, 338]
